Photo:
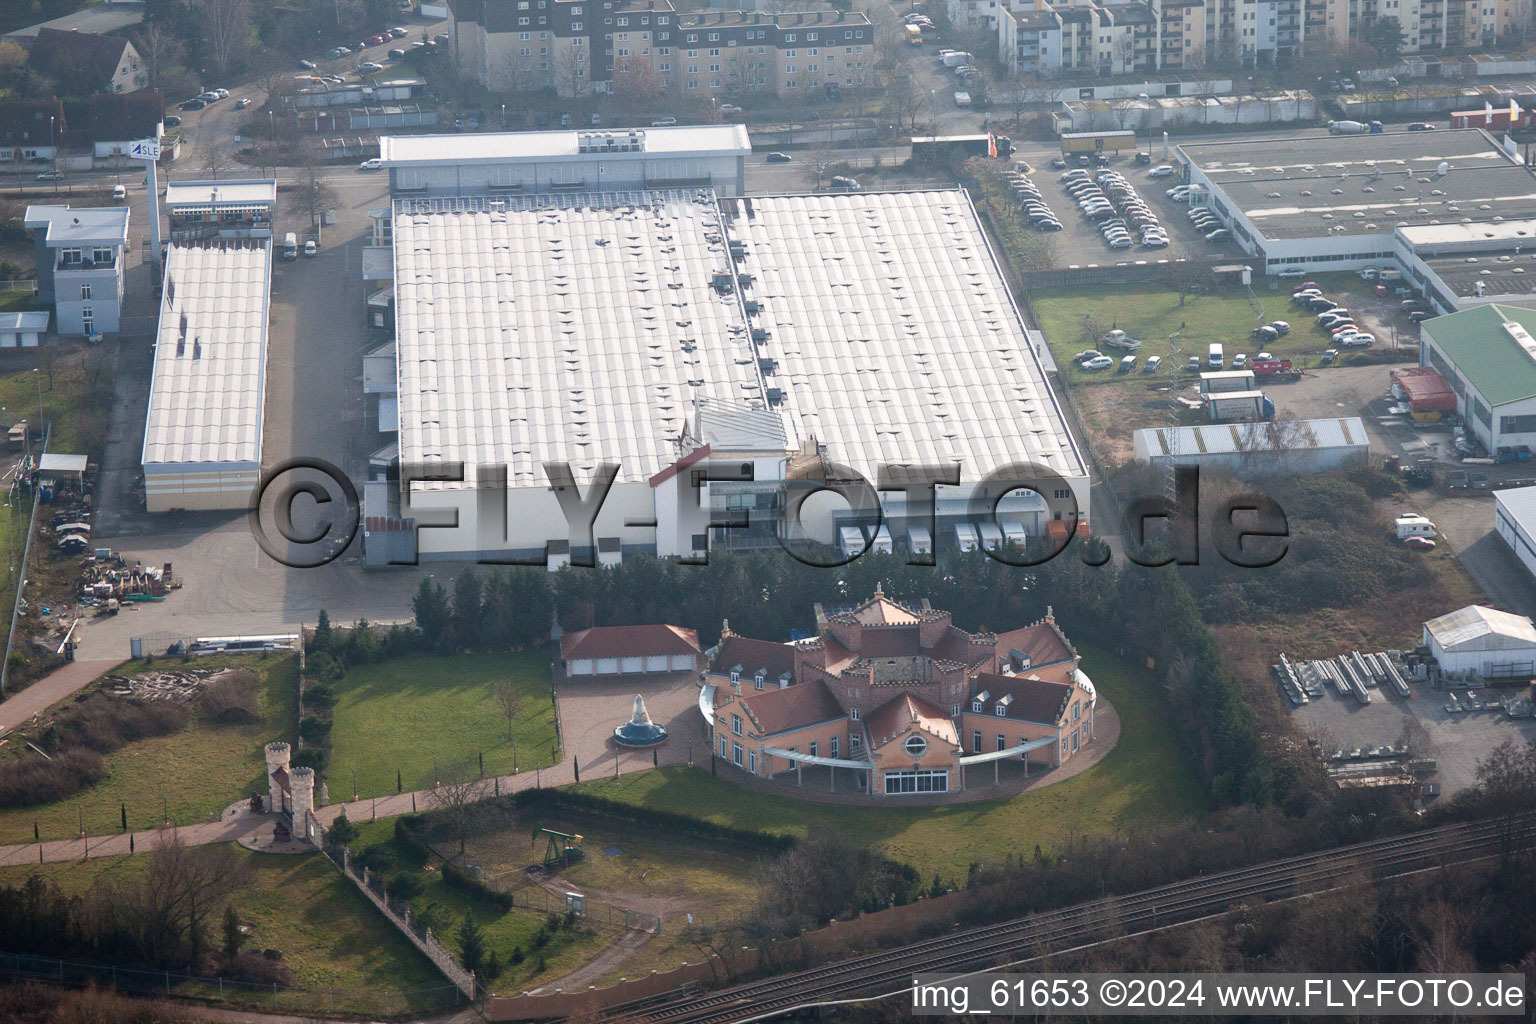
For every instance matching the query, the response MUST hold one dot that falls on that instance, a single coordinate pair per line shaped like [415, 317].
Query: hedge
[661, 821]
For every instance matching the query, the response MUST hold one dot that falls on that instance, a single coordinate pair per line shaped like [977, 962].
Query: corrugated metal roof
[897, 340]
[1231, 438]
[575, 328]
[205, 399]
[1519, 504]
[1488, 355]
[1475, 622]
[33, 321]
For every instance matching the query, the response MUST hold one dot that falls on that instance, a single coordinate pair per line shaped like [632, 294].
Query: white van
[290, 246]
[1216, 358]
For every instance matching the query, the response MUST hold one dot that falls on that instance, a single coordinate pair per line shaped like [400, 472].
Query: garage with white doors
[629, 650]
[23, 330]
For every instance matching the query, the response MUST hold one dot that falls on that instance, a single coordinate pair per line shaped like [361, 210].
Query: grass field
[328, 933]
[397, 717]
[1074, 319]
[191, 774]
[1145, 778]
[504, 930]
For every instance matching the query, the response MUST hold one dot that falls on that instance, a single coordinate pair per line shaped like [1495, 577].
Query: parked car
[119, 193]
[1085, 354]
[397, 33]
[306, 65]
[171, 121]
[54, 175]
[1098, 363]
[397, 54]
[779, 158]
[374, 40]
[371, 164]
[1265, 333]
[222, 94]
[1421, 126]
[1281, 327]
[1292, 272]
[1418, 316]
[1163, 171]
[664, 122]
[1219, 235]
[310, 248]
[1240, 361]
[1152, 364]
[368, 67]
[1058, 163]
[1192, 364]
[242, 103]
[195, 103]
[1419, 544]
[730, 108]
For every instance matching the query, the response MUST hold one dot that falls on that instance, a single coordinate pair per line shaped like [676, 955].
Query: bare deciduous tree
[166, 911]
[226, 29]
[456, 790]
[314, 195]
[510, 699]
[159, 50]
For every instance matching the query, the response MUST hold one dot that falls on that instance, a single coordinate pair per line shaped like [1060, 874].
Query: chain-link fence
[268, 997]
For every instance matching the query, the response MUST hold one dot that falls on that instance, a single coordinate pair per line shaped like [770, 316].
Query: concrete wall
[217, 487]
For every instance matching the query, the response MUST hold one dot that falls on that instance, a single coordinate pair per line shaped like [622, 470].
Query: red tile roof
[25, 122]
[1040, 641]
[80, 62]
[1034, 700]
[894, 716]
[119, 117]
[752, 655]
[632, 641]
[280, 776]
[792, 707]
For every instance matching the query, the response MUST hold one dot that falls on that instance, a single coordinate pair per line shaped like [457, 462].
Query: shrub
[231, 698]
[516, 956]
[405, 886]
[311, 757]
[33, 780]
[314, 730]
[668, 822]
[433, 916]
[378, 857]
[322, 666]
[540, 940]
[103, 723]
[410, 846]
[319, 696]
[257, 967]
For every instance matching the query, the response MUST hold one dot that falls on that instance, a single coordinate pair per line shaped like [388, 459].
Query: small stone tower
[277, 757]
[301, 786]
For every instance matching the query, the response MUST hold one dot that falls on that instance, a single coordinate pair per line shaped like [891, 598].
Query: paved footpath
[49, 690]
[239, 826]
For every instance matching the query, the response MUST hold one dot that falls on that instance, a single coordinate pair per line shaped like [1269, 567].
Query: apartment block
[609, 46]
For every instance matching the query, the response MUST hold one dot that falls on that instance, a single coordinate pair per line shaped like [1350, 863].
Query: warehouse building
[725, 355]
[1258, 449]
[711, 155]
[202, 437]
[1484, 642]
[1341, 202]
[1488, 356]
[235, 208]
[1457, 266]
[1514, 519]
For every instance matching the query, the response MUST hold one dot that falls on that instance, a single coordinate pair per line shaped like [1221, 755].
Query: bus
[914, 35]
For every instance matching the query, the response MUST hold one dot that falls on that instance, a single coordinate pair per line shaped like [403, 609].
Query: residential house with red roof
[80, 63]
[899, 694]
[629, 650]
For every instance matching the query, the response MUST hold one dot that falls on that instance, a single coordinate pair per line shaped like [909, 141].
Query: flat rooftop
[221, 194]
[209, 378]
[576, 328]
[703, 140]
[1367, 184]
[1499, 273]
[897, 340]
[80, 226]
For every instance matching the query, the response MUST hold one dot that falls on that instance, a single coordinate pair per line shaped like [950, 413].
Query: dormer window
[1002, 705]
[976, 706]
[759, 679]
[735, 675]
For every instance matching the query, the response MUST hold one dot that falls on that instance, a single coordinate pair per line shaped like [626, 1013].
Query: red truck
[1274, 369]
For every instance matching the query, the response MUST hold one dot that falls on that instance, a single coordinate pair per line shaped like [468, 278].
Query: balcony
[88, 265]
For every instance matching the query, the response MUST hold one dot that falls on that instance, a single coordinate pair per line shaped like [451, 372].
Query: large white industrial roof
[575, 328]
[1480, 628]
[210, 356]
[897, 340]
[696, 139]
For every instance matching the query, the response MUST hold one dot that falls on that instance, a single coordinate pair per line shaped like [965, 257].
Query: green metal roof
[1488, 357]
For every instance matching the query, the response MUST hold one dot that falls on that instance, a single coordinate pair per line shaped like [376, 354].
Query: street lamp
[39, 375]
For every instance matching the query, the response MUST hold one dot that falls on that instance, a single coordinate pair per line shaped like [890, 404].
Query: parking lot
[1080, 242]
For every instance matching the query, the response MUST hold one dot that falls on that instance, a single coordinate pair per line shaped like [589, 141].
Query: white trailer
[1014, 533]
[1413, 525]
[880, 540]
[853, 541]
[991, 536]
[965, 536]
[919, 542]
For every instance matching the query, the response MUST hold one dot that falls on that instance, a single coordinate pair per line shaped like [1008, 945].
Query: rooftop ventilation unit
[1521, 336]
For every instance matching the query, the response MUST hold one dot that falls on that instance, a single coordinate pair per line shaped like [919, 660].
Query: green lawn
[1145, 778]
[193, 774]
[401, 715]
[329, 934]
[76, 385]
[504, 931]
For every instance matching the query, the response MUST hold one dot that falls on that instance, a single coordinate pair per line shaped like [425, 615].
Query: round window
[915, 745]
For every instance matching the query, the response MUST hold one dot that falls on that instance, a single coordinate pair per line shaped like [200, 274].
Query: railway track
[991, 946]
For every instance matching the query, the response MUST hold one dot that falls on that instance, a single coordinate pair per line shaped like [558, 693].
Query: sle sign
[144, 149]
